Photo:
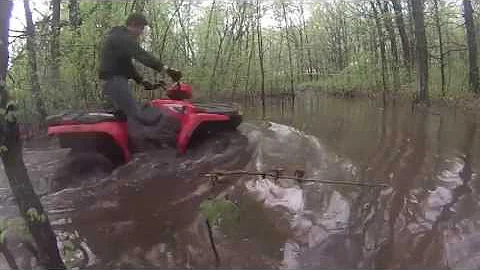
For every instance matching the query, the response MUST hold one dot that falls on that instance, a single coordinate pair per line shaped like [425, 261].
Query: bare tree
[397, 7]
[260, 56]
[393, 43]
[289, 46]
[32, 62]
[382, 50]
[472, 46]
[74, 16]
[421, 49]
[55, 45]
[438, 26]
[11, 153]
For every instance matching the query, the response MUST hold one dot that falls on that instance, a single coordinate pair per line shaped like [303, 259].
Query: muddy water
[428, 218]
[146, 214]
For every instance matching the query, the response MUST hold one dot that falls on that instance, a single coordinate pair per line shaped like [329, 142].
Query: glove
[147, 85]
[161, 84]
[175, 74]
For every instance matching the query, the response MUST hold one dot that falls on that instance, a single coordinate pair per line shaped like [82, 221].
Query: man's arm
[137, 52]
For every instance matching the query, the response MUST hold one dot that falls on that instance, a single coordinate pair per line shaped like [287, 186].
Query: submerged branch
[277, 174]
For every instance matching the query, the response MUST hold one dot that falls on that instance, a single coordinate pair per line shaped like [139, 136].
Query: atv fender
[115, 130]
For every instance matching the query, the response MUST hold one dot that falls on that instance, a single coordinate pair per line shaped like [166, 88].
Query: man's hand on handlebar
[175, 74]
[149, 86]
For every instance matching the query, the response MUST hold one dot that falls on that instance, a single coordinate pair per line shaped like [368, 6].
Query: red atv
[105, 132]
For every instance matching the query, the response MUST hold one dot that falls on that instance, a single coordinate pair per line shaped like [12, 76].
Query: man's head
[136, 23]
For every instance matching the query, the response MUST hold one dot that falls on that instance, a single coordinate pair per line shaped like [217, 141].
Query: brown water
[429, 218]
[146, 213]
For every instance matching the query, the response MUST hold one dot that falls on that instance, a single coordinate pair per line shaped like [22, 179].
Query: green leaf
[3, 234]
[68, 245]
[15, 225]
[33, 214]
[218, 209]
[3, 149]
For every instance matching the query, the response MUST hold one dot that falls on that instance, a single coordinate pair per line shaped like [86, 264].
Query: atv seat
[84, 118]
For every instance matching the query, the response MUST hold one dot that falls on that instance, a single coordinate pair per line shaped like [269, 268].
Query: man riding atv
[116, 67]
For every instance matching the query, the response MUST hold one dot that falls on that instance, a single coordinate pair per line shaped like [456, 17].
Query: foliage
[333, 44]
[16, 225]
[216, 210]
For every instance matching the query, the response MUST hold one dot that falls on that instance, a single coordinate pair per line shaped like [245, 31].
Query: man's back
[113, 58]
[118, 49]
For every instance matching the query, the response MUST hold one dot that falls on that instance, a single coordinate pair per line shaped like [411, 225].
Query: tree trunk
[411, 26]
[393, 44]
[421, 49]
[307, 42]
[290, 60]
[397, 7]
[373, 50]
[138, 6]
[165, 32]
[472, 46]
[249, 64]
[28, 202]
[260, 57]
[55, 46]
[32, 62]
[191, 51]
[382, 51]
[438, 26]
[74, 16]
[8, 256]
[5, 10]
[207, 35]
[217, 59]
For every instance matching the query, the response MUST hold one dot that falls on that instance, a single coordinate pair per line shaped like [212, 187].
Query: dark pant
[144, 124]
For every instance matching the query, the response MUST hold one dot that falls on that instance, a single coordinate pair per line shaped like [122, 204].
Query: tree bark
[472, 46]
[138, 6]
[217, 59]
[28, 202]
[382, 51]
[165, 32]
[55, 46]
[5, 11]
[411, 26]
[250, 56]
[307, 42]
[393, 44]
[74, 16]
[32, 62]
[260, 57]
[290, 60]
[438, 26]
[11, 154]
[421, 49]
[397, 7]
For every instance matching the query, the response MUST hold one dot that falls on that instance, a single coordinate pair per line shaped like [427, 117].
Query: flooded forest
[317, 134]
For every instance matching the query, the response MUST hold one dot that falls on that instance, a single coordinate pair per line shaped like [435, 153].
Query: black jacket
[117, 52]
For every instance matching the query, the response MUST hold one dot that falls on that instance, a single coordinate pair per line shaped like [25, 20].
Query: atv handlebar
[161, 84]
[176, 91]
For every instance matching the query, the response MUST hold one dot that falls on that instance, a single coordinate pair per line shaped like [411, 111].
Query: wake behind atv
[106, 134]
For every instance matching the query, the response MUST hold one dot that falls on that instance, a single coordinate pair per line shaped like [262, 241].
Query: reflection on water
[428, 218]
[146, 213]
